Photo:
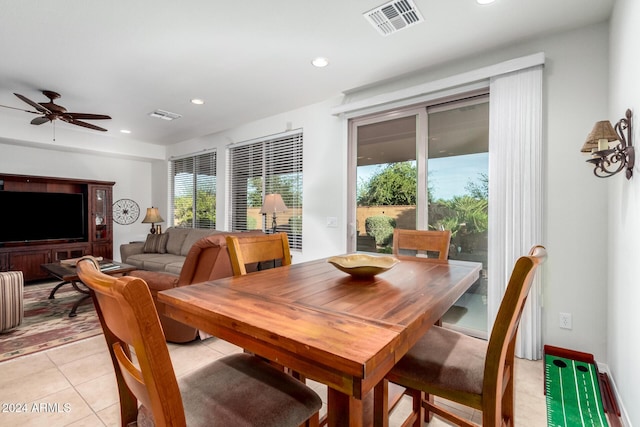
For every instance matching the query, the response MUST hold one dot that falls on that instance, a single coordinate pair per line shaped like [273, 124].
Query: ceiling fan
[51, 111]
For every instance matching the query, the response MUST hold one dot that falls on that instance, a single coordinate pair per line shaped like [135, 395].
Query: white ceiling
[246, 59]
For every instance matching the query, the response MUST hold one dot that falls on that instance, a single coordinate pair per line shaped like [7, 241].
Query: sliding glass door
[425, 168]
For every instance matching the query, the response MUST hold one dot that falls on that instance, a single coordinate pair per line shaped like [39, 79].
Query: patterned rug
[46, 322]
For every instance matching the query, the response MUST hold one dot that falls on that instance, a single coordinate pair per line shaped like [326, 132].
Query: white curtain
[515, 193]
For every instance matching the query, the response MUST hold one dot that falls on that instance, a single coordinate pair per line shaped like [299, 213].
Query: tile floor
[74, 385]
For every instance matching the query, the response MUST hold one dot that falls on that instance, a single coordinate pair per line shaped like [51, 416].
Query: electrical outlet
[565, 321]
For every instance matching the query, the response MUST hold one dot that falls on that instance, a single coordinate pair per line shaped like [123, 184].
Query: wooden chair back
[253, 249]
[497, 393]
[129, 320]
[422, 241]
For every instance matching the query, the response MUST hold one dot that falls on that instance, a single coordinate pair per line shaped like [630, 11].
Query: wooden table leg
[343, 410]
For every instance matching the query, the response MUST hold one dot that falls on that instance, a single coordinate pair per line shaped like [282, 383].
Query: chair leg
[417, 410]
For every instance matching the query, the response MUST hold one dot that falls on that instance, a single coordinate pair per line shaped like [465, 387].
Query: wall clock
[125, 211]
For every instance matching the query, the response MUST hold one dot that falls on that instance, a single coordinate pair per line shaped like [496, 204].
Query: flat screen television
[27, 216]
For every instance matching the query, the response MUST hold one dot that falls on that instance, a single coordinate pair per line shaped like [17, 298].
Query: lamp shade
[601, 130]
[273, 203]
[152, 216]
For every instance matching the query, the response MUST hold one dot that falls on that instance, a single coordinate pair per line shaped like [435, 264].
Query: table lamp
[152, 217]
[273, 203]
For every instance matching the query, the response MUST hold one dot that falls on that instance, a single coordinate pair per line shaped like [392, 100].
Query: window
[193, 191]
[267, 166]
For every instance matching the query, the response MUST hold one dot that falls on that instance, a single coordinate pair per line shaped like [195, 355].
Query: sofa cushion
[156, 244]
[194, 235]
[154, 262]
[161, 261]
[174, 267]
[176, 239]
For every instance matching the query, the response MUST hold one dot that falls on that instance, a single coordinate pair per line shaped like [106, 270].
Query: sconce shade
[152, 216]
[601, 130]
[273, 203]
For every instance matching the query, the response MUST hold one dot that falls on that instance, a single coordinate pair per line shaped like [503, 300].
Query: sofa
[207, 259]
[164, 252]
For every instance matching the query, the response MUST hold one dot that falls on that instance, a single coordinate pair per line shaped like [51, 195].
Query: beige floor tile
[222, 346]
[192, 356]
[110, 416]
[77, 350]
[91, 421]
[57, 409]
[12, 370]
[84, 369]
[34, 386]
[100, 392]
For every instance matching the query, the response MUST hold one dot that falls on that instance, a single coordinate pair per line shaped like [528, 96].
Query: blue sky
[448, 175]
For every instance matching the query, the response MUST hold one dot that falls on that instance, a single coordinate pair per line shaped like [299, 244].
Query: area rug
[46, 322]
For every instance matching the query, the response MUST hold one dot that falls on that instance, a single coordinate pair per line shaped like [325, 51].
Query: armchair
[208, 259]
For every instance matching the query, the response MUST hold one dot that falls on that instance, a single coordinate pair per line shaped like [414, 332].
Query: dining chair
[252, 249]
[421, 241]
[463, 369]
[238, 390]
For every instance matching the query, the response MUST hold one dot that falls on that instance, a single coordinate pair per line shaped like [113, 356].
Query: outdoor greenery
[395, 185]
[205, 200]
[287, 185]
[205, 210]
[380, 227]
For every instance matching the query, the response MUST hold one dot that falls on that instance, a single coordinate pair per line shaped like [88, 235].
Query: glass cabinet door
[101, 213]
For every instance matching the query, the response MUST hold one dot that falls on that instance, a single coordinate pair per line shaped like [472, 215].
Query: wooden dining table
[324, 324]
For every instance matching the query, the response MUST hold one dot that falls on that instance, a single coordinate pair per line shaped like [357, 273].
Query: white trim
[442, 87]
[281, 135]
[198, 153]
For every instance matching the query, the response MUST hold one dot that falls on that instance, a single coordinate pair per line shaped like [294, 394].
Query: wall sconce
[273, 203]
[152, 217]
[609, 161]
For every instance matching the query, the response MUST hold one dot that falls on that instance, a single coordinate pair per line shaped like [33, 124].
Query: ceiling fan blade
[83, 124]
[87, 116]
[39, 120]
[33, 104]
[21, 109]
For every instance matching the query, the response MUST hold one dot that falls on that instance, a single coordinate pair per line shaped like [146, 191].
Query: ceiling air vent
[165, 115]
[394, 16]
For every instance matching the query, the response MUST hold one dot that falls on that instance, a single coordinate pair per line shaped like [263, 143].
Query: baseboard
[624, 417]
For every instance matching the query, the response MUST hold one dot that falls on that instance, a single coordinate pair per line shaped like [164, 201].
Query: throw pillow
[156, 244]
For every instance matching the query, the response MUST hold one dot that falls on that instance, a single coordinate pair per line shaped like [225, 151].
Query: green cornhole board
[572, 392]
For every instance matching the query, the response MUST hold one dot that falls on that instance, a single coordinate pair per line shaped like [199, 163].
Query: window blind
[267, 166]
[193, 191]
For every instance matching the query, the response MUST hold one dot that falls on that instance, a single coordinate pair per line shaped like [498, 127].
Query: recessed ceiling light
[197, 101]
[320, 62]
[485, 1]
[125, 131]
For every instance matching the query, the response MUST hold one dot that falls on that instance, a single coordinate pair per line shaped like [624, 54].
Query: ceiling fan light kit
[51, 111]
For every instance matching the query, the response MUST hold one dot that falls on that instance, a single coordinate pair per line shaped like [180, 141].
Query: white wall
[324, 163]
[623, 285]
[132, 177]
[575, 96]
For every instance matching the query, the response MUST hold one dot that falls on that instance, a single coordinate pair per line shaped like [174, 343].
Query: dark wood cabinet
[29, 263]
[29, 255]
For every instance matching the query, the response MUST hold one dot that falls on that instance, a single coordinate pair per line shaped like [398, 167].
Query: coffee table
[67, 273]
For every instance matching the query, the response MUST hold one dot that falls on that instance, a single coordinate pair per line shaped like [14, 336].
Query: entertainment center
[46, 219]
